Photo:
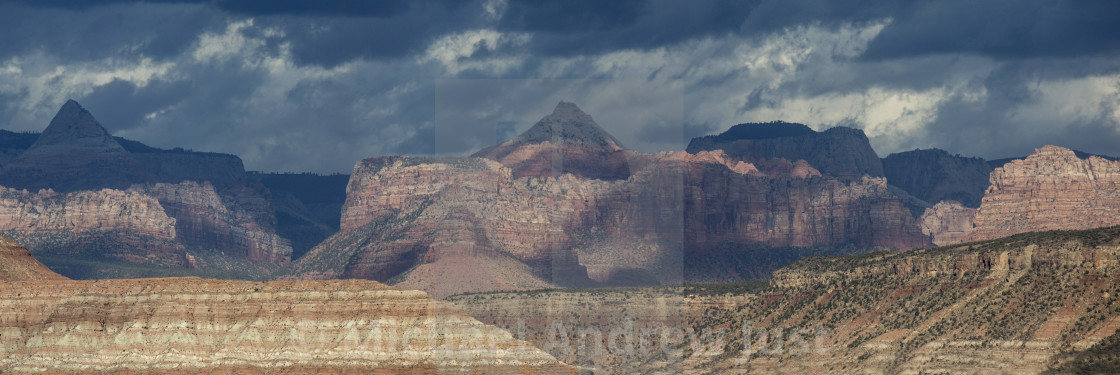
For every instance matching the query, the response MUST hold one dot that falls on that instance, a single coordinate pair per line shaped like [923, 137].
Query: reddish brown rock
[124, 201]
[121, 225]
[566, 141]
[438, 223]
[238, 223]
[948, 222]
[420, 221]
[1051, 189]
[17, 264]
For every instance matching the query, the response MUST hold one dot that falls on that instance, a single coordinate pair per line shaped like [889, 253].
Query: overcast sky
[318, 85]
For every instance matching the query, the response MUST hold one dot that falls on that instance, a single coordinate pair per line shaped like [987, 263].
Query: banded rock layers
[519, 223]
[84, 201]
[1049, 190]
[193, 325]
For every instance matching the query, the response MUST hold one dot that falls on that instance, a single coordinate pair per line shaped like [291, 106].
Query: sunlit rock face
[673, 216]
[1050, 189]
[192, 325]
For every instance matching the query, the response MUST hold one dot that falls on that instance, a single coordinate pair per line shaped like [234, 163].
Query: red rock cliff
[1049, 190]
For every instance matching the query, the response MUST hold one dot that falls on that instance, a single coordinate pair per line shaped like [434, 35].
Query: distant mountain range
[90, 205]
[563, 204]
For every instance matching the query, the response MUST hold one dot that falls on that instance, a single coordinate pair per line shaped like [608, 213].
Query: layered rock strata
[194, 325]
[113, 224]
[1049, 190]
[17, 264]
[1012, 305]
[238, 224]
[675, 215]
[101, 199]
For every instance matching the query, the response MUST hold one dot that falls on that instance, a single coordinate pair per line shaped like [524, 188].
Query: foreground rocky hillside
[194, 325]
[1050, 189]
[1022, 304]
[453, 225]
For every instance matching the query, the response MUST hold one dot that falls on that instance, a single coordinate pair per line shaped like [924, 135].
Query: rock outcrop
[840, 151]
[422, 221]
[675, 216]
[17, 264]
[101, 198]
[111, 224]
[566, 141]
[1012, 305]
[239, 223]
[934, 175]
[1049, 190]
[193, 325]
[948, 222]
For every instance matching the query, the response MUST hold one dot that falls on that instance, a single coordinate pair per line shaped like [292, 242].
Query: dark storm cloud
[121, 105]
[992, 130]
[310, 85]
[584, 27]
[92, 30]
[343, 8]
[1002, 28]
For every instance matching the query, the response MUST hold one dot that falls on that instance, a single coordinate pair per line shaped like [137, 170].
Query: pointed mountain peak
[569, 111]
[74, 127]
[568, 124]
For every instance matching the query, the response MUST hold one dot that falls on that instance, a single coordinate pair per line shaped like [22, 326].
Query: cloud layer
[296, 86]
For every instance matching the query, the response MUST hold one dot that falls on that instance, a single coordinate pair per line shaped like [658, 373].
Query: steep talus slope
[934, 175]
[566, 141]
[193, 325]
[1003, 306]
[840, 151]
[1050, 189]
[17, 264]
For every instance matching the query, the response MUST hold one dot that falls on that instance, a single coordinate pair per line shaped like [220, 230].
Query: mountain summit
[74, 153]
[566, 141]
[568, 124]
[74, 129]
